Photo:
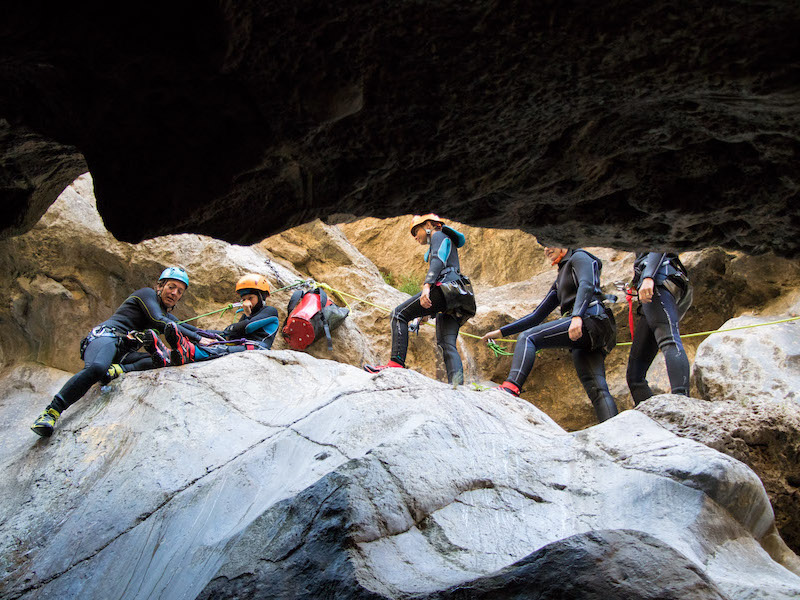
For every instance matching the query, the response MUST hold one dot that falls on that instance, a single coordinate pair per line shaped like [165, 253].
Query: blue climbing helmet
[176, 273]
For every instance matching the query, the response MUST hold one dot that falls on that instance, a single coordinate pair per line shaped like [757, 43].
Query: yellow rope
[702, 333]
[342, 295]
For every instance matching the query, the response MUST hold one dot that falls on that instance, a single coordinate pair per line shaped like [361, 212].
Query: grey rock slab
[275, 474]
[762, 362]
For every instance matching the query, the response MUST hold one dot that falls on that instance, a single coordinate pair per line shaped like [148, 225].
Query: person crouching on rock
[665, 295]
[108, 343]
[255, 330]
[445, 293]
[586, 327]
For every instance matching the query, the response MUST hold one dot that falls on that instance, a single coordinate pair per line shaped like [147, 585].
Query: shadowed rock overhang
[625, 124]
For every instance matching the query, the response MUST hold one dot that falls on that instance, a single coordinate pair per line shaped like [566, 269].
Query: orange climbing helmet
[418, 220]
[250, 282]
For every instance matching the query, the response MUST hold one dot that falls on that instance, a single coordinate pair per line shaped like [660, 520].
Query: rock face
[624, 124]
[763, 434]
[491, 257]
[749, 381]
[749, 364]
[68, 274]
[276, 474]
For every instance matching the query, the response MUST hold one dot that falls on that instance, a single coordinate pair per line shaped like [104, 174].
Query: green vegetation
[410, 284]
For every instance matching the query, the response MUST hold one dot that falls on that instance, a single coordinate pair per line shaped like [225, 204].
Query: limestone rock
[762, 433]
[329, 257]
[581, 567]
[761, 363]
[725, 285]
[490, 258]
[629, 124]
[276, 474]
[68, 274]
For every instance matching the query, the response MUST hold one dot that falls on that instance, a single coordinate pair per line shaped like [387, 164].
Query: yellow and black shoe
[46, 423]
[113, 372]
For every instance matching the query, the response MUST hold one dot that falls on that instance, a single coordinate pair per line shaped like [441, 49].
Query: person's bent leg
[401, 316]
[98, 357]
[554, 334]
[591, 369]
[662, 315]
[137, 361]
[643, 350]
[446, 339]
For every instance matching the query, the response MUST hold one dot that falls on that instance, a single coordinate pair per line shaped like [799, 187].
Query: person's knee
[96, 370]
[527, 341]
[634, 375]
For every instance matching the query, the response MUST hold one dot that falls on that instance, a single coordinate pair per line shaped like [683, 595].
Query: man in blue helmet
[108, 343]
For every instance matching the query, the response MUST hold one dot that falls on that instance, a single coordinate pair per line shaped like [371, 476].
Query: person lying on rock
[255, 330]
[665, 295]
[586, 327]
[445, 293]
[110, 342]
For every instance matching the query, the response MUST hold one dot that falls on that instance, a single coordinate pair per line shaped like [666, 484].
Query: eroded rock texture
[624, 124]
[273, 474]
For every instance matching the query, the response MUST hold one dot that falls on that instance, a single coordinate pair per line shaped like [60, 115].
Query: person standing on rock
[665, 295]
[255, 330]
[586, 327]
[109, 342]
[445, 293]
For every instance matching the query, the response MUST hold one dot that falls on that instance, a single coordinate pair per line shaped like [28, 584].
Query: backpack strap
[323, 300]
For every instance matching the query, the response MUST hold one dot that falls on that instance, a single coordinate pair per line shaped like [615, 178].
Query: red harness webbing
[629, 293]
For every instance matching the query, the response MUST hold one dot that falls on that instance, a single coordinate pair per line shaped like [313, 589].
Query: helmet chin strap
[428, 233]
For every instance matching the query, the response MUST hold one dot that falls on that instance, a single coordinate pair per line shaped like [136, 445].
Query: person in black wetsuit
[665, 295]
[255, 330]
[108, 343]
[586, 327]
[445, 293]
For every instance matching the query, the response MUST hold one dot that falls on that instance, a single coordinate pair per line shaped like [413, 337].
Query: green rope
[297, 283]
[498, 349]
[213, 312]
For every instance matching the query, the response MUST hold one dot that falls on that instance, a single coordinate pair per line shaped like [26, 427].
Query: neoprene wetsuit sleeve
[147, 299]
[546, 306]
[440, 244]
[652, 262]
[587, 273]
[239, 329]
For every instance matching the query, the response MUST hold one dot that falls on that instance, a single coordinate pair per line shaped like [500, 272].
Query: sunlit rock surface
[275, 474]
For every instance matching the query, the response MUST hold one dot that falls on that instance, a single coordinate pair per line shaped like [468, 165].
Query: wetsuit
[577, 291]
[106, 344]
[657, 325]
[444, 267]
[253, 332]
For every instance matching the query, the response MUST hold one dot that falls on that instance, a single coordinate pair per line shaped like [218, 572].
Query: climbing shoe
[509, 387]
[113, 372]
[378, 368]
[155, 348]
[46, 423]
[182, 349]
